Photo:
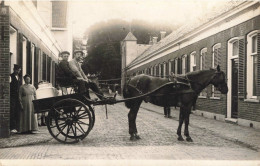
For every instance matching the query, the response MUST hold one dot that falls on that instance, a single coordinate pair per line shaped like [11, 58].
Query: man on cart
[65, 76]
[76, 69]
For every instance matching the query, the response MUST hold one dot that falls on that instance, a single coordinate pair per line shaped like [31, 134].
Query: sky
[88, 12]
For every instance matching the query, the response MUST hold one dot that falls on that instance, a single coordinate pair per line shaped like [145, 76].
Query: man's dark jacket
[64, 74]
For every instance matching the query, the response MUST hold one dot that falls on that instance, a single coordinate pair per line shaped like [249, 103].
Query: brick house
[228, 36]
[33, 33]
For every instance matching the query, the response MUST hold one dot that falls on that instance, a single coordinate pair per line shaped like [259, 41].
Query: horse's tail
[126, 94]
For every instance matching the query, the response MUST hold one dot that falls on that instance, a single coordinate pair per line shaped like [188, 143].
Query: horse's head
[219, 81]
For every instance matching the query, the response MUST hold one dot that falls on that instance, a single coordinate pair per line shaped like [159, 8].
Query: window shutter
[53, 74]
[241, 68]
[207, 62]
[167, 69]
[48, 68]
[157, 71]
[20, 54]
[36, 67]
[258, 65]
[179, 66]
[44, 62]
[188, 64]
[203, 61]
[29, 58]
[173, 66]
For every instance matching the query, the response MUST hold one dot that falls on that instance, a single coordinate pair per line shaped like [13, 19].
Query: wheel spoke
[74, 132]
[82, 117]
[78, 110]
[61, 125]
[68, 129]
[81, 130]
[81, 127]
[83, 123]
[82, 113]
[60, 131]
[56, 125]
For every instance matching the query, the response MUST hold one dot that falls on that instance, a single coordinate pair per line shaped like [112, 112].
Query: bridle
[221, 84]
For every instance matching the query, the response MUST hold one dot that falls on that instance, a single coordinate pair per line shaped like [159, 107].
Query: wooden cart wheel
[69, 121]
[92, 111]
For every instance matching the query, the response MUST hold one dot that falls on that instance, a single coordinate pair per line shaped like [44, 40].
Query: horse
[178, 91]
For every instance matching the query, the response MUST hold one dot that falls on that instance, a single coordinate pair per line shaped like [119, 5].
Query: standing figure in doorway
[15, 106]
[28, 120]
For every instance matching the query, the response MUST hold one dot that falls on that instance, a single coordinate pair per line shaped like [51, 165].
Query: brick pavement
[245, 136]
[109, 139]
[26, 139]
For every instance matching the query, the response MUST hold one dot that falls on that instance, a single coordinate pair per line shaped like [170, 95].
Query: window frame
[192, 61]
[216, 46]
[183, 63]
[249, 64]
[201, 67]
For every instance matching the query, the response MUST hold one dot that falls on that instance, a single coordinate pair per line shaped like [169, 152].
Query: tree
[104, 44]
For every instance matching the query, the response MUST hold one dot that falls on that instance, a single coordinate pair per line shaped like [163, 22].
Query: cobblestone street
[109, 139]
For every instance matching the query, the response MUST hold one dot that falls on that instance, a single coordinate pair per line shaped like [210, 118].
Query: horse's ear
[218, 68]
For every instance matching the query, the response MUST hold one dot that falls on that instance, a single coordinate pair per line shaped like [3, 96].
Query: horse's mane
[198, 72]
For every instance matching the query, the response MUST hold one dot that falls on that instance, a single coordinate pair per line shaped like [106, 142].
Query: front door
[234, 97]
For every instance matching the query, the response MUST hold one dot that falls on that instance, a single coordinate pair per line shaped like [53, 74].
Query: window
[172, 68]
[176, 66]
[13, 47]
[44, 66]
[166, 64]
[203, 54]
[216, 60]
[252, 59]
[162, 70]
[183, 61]
[157, 71]
[151, 71]
[193, 61]
[154, 70]
[235, 49]
[59, 14]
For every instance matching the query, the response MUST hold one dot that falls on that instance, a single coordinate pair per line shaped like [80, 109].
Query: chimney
[162, 34]
[155, 40]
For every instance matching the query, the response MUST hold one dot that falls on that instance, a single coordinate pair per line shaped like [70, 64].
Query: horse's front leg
[181, 119]
[187, 120]
[132, 121]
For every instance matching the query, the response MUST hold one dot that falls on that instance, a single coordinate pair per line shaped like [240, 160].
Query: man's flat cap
[76, 51]
[64, 52]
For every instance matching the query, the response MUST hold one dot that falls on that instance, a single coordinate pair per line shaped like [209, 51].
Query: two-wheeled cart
[71, 117]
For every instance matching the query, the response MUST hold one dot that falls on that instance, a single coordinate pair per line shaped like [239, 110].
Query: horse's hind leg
[132, 120]
[186, 130]
[181, 119]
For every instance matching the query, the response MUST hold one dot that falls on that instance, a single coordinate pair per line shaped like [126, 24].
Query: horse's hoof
[137, 136]
[132, 138]
[189, 139]
[180, 138]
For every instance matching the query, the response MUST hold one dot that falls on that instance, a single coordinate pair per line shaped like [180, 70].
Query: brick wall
[4, 73]
[246, 110]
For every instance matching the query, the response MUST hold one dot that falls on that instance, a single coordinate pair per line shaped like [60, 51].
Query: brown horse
[181, 91]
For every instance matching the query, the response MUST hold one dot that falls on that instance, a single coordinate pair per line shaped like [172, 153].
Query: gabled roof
[130, 37]
[187, 28]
